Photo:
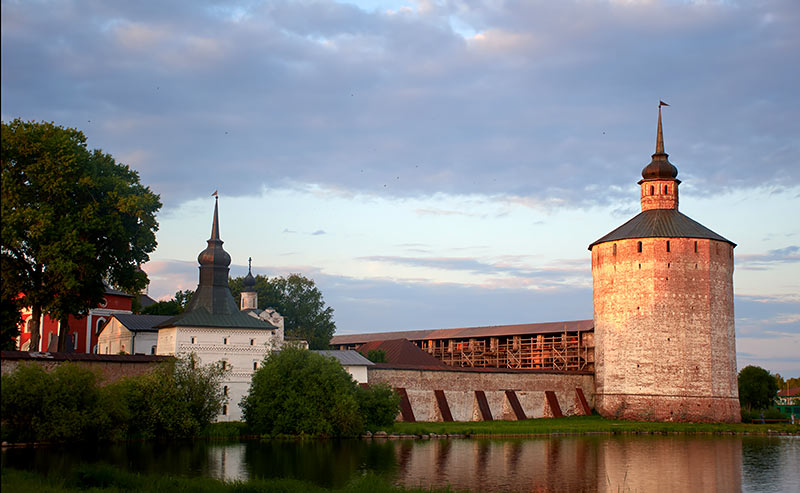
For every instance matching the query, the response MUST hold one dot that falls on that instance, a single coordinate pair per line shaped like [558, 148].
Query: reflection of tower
[663, 311]
[249, 295]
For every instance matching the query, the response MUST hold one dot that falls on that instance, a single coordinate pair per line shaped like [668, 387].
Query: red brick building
[83, 331]
[663, 311]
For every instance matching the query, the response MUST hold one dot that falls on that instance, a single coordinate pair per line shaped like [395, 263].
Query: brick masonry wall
[664, 330]
[109, 368]
[459, 388]
[659, 194]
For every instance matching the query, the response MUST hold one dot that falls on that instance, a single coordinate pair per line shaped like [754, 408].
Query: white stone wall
[241, 350]
[358, 372]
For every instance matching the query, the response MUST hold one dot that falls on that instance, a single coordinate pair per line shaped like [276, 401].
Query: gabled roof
[467, 332]
[346, 358]
[789, 392]
[140, 323]
[401, 352]
[661, 223]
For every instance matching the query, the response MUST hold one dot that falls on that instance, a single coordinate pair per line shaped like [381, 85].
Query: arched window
[224, 409]
[695, 247]
[29, 325]
[152, 349]
[639, 247]
[652, 189]
[667, 245]
[255, 365]
[99, 325]
[666, 189]
[225, 390]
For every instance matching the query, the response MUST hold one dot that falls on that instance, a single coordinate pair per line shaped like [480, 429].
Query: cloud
[318, 232]
[549, 103]
[772, 258]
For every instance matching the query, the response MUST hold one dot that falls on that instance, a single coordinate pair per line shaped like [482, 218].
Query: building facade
[663, 311]
[83, 331]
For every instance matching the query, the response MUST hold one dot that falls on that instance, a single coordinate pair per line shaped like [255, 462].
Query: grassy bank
[583, 425]
[108, 479]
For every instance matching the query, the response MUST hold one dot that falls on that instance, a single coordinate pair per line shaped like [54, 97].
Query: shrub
[64, 404]
[297, 392]
[379, 406]
[177, 400]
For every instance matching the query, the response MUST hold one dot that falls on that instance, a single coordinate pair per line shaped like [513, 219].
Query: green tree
[72, 220]
[177, 400]
[297, 392]
[757, 388]
[298, 299]
[379, 406]
[377, 355]
[174, 306]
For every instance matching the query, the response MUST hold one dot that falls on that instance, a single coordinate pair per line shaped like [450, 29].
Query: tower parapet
[663, 311]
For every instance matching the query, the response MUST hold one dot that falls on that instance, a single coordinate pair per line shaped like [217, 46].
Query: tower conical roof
[212, 304]
[660, 168]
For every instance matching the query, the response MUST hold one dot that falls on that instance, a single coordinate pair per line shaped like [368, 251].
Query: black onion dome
[249, 282]
[660, 168]
[214, 254]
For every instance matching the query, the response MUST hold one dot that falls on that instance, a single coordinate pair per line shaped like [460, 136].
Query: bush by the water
[378, 405]
[754, 416]
[297, 392]
[177, 400]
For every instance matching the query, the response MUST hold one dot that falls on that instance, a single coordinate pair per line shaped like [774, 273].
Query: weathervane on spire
[250, 264]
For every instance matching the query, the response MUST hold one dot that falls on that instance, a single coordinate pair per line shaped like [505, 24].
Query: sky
[435, 164]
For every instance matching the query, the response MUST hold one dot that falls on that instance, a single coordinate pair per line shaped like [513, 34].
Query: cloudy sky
[435, 163]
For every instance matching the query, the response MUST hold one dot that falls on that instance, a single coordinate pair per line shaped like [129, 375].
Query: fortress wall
[459, 388]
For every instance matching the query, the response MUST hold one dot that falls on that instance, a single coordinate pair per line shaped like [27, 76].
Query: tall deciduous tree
[298, 299]
[757, 388]
[73, 219]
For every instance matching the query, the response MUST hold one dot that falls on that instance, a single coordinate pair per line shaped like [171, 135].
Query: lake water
[581, 463]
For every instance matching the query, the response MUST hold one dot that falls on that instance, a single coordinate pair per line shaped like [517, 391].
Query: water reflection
[599, 463]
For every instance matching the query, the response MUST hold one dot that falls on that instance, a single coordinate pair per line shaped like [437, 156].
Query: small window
[152, 350]
[652, 189]
[193, 339]
[99, 325]
[639, 247]
[255, 365]
[252, 341]
[224, 340]
[615, 248]
[666, 189]
[103, 303]
[224, 409]
[225, 390]
[667, 245]
[695, 247]
[224, 365]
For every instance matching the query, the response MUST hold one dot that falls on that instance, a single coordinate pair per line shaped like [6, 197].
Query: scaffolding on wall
[566, 351]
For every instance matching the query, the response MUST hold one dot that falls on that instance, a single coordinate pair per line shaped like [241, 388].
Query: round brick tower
[663, 311]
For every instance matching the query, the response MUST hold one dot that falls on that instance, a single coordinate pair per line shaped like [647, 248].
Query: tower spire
[660, 136]
[215, 224]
